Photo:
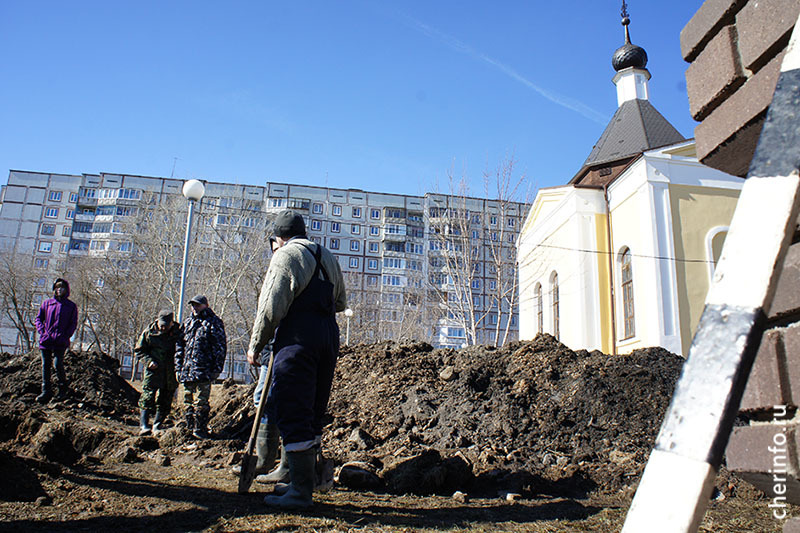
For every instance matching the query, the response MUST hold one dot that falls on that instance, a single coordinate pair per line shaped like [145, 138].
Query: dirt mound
[93, 377]
[535, 416]
[535, 407]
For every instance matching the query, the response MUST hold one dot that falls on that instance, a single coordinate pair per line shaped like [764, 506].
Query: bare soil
[566, 433]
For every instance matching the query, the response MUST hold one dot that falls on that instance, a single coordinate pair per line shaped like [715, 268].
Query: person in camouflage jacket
[199, 359]
[156, 349]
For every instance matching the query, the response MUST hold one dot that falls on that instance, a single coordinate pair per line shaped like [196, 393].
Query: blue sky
[382, 96]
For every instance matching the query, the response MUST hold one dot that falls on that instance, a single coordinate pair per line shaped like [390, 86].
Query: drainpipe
[611, 273]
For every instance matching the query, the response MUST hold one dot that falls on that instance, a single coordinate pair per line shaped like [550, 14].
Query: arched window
[714, 241]
[554, 294]
[539, 309]
[626, 277]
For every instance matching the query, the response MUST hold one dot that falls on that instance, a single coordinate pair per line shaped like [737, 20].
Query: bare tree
[17, 290]
[473, 272]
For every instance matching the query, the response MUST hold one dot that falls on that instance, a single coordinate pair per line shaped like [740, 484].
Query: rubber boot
[301, 466]
[144, 423]
[267, 440]
[280, 474]
[158, 422]
[188, 417]
[201, 425]
[323, 475]
[63, 391]
[45, 396]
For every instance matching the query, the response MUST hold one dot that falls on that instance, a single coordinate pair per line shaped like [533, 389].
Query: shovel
[248, 472]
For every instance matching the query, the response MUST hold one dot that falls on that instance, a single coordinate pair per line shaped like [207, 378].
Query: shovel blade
[248, 472]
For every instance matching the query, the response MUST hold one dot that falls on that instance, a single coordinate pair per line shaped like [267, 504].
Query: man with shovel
[302, 291]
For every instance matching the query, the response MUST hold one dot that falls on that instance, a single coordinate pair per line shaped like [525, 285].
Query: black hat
[199, 299]
[164, 317]
[289, 224]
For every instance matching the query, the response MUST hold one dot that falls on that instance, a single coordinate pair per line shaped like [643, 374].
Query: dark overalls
[306, 347]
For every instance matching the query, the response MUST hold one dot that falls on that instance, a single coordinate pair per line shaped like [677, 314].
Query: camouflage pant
[158, 389]
[196, 395]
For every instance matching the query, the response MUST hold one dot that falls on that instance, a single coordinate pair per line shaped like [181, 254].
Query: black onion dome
[629, 55]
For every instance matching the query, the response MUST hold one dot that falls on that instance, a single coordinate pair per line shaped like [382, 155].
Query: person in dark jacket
[55, 323]
[302, 291]
[199, 358]
[156, 349]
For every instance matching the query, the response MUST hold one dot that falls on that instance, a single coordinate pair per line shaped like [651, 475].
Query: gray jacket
[288, 275]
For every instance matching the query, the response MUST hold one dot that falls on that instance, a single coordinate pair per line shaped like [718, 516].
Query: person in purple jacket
[56, 322]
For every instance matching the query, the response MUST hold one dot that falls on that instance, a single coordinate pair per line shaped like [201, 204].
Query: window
[393, 262]
[316, 209]
[492, 285]
[130, 194]
[372, 264]
[89, 193]
[335, 227]
[79, 244]
[48, 229]
[356, 212]
[316, 225]
[337, 210]
[45, 247]
[66, 231]
[372, 280]
[99, 245]
[40, 263]
[51, 212]
[391, 280]
[124, 246]
[413, 248]
[374, 247]
[62, 247]
[627, 293]
[476, 284]
[334, 244]
[355, 246]
[124, 211]
[493, 220]
[554, 295]
[475, 234]
[511, 222]
[73, 197]
[70, 214]
[55, 196]
[354, 262]
[273, 202]
[375, 214]
[374, 230]
[355, 229]
[539, 309]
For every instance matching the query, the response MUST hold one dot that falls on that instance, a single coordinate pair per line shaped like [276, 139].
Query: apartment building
[429, 267]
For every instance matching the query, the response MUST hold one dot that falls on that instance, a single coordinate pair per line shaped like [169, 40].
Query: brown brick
[714, 74]
[749, 455]
[791, 349]
[764, 29]
[734, 155]
[787, 293]
[763, 389]
[740, 108]
[702, 27]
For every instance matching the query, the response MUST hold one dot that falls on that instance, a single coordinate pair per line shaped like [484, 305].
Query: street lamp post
[193, 190]
[347, 313]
